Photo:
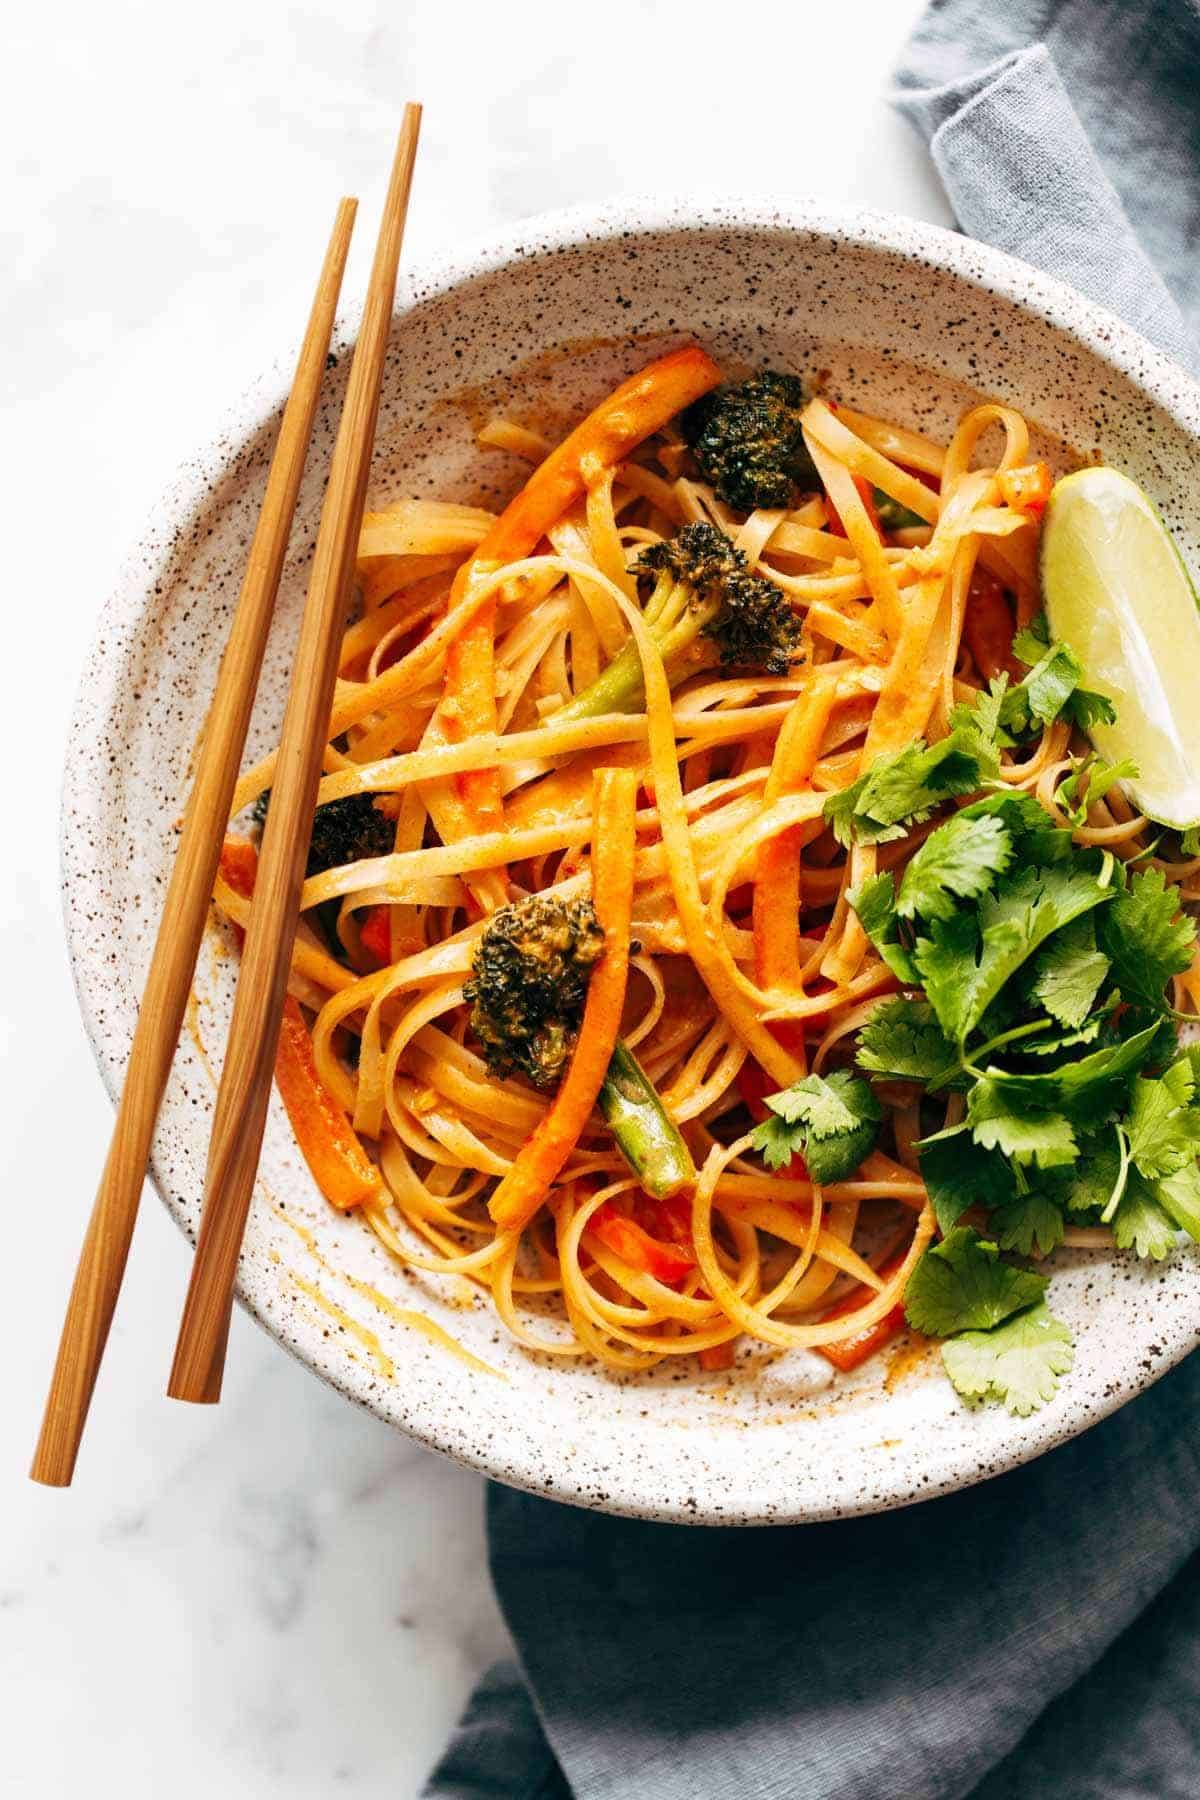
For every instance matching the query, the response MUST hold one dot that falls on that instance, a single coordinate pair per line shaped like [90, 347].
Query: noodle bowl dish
[737, 1063]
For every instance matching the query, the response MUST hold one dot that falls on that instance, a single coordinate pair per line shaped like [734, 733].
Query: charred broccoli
[702, 587]
[528, 985]
[748, 442]
[527, 991]
[344, 831]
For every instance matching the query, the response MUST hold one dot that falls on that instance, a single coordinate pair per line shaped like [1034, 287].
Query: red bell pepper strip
[852, 1351]
[667, 1263]
[1026, 489]
[375, 934]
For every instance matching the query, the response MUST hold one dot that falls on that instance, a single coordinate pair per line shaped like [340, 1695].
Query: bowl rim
[991, 271]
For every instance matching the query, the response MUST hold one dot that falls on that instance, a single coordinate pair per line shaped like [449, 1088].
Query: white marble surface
[279, 1597]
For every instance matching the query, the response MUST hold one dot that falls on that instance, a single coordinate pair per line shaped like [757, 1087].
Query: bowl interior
[903, 321]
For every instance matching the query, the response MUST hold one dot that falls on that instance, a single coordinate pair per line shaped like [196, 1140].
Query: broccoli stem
[644, 1131]
[675, 621]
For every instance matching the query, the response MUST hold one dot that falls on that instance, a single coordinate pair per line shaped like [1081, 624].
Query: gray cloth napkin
[1039, 1635]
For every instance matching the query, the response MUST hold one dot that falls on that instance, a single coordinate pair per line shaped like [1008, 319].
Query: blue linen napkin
[1039, 1635]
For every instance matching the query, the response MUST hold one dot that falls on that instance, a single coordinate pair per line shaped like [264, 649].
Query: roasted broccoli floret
[527, 991]
[529, 983]
[748, 442]
[702, 587]
[344, 831]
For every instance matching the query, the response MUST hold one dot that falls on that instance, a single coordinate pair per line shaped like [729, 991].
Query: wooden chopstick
[185, 909]
[245, 1088]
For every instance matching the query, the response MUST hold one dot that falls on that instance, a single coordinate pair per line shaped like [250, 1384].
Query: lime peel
[1118, 591]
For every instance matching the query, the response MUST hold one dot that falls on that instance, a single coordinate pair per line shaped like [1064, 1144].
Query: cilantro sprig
[1034, 975]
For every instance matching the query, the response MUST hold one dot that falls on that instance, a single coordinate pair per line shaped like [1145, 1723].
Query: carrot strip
[336, 1159]
[540, 1159]
[340, 1166]
[631, 413]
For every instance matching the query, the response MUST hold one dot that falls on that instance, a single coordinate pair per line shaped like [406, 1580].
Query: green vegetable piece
[960, 860]
[1164, 1126]
[643, 1130]
[1069, 973]
[998, 1123]
[961, 1285]
[1027, 1222]
[832, 1123]
[1084, 1090]
[905, 788]
[1146, 939]
[874, 901]
[749, 442]
[958, 1174]
[892, 515]
[1179, 1197]
[1141, 1224]
[1018, 1363]
[902, 1039]
[703, 587]
[1027, 907]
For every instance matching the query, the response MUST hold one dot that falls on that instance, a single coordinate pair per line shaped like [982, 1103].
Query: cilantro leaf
[833, 1123]
[1051, 682]
[960, 859]
[1027, 907]
[998, 1123]
[1086, 708]
[1189, 841]
[1088, 783]
[905, 788]
[777, 1142]
[903, 1039]
[958, 1174]
[982, 715]
[1141, 1224]
[961, 1285]
[1069, 972]
[1018, 1363]
[1063, 1040]
[1179, 1196]
[1032, 641]
[1164, 1127]
[1036, 836]
[1083, 1090]
[1028, 1220]
[1052, 685]
[874, 900]
[1146, 939]
[1092, 1181]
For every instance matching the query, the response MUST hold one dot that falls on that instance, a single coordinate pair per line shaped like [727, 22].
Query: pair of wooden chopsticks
[244, 1090]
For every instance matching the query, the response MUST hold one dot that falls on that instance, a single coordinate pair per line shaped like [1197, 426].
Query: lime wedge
[1117, 590]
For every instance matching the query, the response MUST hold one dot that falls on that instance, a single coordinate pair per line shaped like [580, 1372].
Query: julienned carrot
[631, 413]
[339, 1165]
[852, 1351]
[540, 1159]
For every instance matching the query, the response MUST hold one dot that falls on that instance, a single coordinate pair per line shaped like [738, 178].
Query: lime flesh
[1117, 590]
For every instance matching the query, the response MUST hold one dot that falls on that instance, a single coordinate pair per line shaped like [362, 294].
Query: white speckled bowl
[910, 321]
